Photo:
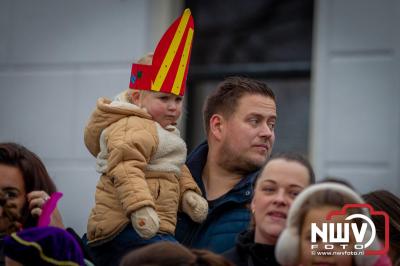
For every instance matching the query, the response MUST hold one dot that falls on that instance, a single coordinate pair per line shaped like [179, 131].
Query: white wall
[356, 89]
[56, 58]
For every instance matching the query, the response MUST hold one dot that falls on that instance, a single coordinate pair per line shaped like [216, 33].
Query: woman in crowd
[382, 200]
[25, 182]
[283, 177]
[26, 186]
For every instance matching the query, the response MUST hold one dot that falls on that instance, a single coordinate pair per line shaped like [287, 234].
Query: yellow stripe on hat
[41, 253]
[182, 64]
[169, 57]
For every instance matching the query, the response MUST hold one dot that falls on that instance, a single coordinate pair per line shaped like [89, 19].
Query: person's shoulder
[233, 256]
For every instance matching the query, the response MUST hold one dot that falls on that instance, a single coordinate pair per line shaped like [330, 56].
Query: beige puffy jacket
[142, 165]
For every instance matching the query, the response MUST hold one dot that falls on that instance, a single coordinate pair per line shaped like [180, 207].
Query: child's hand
[195, 206]
[146, 222]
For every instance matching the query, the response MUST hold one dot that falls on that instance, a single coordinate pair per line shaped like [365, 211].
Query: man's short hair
[224, 99]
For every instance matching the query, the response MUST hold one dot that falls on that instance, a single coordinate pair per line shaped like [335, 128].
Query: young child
[141, 156]
[312, 206]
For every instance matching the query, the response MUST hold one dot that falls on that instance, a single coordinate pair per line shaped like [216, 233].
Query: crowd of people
[230, 202]
[259, 207]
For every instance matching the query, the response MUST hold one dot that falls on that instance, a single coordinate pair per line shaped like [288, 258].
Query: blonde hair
[146, 60]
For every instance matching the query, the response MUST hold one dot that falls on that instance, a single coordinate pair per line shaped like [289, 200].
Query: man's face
[247, 136]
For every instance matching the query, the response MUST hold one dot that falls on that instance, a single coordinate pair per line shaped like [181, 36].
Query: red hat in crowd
[170, 63]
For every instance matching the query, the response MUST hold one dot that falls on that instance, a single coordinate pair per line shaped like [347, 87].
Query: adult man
[239, 120]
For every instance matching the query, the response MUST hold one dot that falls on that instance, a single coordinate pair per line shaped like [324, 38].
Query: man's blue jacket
[227, 216]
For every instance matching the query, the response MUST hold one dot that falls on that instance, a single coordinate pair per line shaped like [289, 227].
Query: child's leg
[111, 252]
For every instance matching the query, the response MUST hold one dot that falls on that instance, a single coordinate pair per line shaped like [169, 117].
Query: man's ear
[217, 125]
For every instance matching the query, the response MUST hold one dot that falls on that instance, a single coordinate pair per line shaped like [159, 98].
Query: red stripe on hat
[143, 76]
[183, 85]
[170, 78]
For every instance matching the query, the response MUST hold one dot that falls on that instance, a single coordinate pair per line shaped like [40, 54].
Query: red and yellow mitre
[168, 71]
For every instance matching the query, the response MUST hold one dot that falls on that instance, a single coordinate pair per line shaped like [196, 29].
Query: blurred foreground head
[172, 254]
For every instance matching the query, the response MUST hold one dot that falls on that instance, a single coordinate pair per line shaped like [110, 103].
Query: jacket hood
[106, 113]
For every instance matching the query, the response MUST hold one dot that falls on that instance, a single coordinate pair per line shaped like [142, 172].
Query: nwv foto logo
[364, 232]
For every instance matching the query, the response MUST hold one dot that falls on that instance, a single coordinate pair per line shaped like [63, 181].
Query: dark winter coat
[248, 253]
[227, 216]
